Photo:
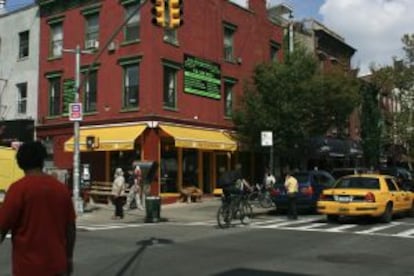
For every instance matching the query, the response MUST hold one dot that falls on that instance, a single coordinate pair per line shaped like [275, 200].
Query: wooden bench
[101, 192]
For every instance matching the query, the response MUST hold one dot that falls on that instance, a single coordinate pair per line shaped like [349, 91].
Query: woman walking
[118, 193]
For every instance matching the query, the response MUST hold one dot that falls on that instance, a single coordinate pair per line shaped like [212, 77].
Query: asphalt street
[270, 245]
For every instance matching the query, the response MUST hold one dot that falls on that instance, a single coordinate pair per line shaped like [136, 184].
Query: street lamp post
[78, 203]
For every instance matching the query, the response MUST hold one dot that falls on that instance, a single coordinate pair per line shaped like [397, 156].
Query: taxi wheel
[386, 217]
[332, 218]
[411, 211]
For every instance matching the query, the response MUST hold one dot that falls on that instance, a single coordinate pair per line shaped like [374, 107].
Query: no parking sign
[75, 112]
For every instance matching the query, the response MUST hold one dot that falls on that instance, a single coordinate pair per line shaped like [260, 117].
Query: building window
[229, 31]
[170, 35]
[170, 87]
[90, 92]
[131, 86]
[22, 98]
[56, 40]
[54, 96]
[24, 44]
[92, 31]
[274, 50]
[228, 98]
[131, 30]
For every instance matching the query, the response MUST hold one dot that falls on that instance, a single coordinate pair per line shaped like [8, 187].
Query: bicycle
[235, 207]
[260, 197]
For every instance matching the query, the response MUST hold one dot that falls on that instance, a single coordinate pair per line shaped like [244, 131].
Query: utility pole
[75, 111]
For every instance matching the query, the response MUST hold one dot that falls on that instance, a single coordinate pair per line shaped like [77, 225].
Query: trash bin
[153, 208]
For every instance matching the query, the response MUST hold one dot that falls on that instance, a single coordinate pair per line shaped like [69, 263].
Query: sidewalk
[175, 212]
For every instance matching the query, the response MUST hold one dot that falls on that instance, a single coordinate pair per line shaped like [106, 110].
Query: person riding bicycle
[233, 183]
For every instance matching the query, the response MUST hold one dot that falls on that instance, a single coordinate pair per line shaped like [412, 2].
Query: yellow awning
[186, 137]
[109, 138]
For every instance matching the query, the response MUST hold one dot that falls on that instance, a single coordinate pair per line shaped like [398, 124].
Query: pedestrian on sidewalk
[291, 185]
[135, 189]
[118, 193]
[38, 210]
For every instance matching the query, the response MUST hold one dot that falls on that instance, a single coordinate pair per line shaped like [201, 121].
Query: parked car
[373, 195]
[339, 172]
[403, 176]
[311, 185]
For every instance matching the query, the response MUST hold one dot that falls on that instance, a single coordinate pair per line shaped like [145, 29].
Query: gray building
[19, 67]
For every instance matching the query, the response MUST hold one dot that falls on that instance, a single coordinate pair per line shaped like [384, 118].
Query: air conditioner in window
[92, 44]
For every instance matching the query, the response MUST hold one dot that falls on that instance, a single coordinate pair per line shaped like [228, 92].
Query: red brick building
[153, 94]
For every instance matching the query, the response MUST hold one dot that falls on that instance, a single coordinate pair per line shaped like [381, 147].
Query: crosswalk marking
[312, 224]
[378, 228]
[286, 223]
[406, 233]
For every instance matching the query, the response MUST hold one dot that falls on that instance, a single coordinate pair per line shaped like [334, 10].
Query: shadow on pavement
[142, 246]
[255, 272]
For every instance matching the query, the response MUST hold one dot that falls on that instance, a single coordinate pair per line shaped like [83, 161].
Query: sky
[373, 27]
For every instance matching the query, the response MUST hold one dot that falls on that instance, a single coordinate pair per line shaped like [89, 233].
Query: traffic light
[158, 13]
[175, 10]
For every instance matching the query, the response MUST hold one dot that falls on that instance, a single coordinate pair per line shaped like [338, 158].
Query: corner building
[164, 95]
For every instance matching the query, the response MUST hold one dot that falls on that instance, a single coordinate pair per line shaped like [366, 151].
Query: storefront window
[124, 160]
[168, 167]
[190, 168]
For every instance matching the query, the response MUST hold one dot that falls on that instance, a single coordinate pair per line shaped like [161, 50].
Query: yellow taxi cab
[372, 195]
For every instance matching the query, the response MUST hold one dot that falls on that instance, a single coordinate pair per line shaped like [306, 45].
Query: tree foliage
[295, 101]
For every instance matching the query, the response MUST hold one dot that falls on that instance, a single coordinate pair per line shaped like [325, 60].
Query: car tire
[386, 217]
[332, 218]
[410, 212]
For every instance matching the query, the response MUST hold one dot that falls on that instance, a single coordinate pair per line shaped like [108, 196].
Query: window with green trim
[91, 30]
[130, 97]
[132, 28]
[90, 91]
[55, 96]
[56, 39]
[170, 86]
[228, 98]
[274, 50]
[228, 41]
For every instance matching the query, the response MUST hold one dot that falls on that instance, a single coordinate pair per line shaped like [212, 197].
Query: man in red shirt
[39, 212]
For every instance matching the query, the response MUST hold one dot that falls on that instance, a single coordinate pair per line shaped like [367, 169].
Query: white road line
[378, 228]
[407, 233]
[340, 228]
[266, 222]
[285, 223]
[308, 227]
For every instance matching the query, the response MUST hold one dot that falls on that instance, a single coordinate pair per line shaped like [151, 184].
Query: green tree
[295, 101]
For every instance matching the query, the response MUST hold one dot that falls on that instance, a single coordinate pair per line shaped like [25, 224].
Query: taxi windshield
[358, 183]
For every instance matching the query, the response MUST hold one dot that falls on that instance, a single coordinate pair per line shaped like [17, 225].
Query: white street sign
[75, 112]
[267, 138]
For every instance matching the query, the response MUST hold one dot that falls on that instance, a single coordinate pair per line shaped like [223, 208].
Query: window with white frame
[22, 98]
[131, 29]
[130, 97]
[90, 91]
[23, 44]
[56, 39]
[170, 86]
[55, 95]
[229, 31]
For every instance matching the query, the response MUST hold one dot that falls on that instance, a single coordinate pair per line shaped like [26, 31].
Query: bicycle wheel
[246, 212]
[224, 216]
[253, 198]
[265, 200]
